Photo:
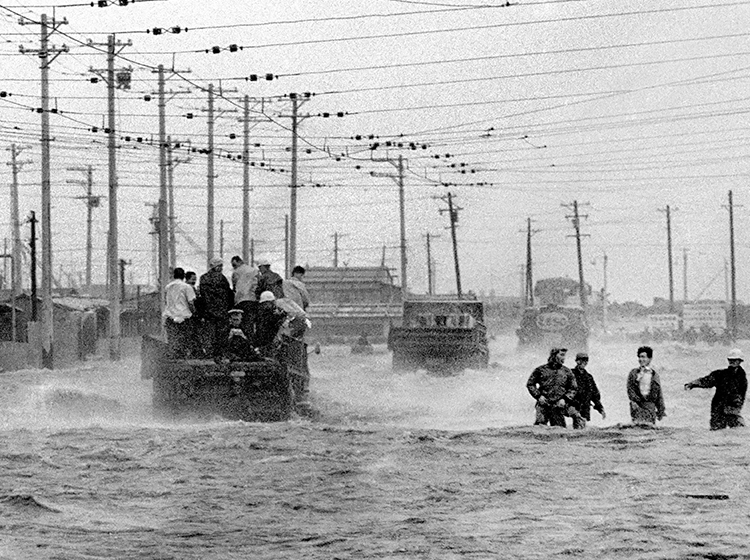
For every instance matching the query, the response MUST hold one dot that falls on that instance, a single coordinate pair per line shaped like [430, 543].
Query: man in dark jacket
[218, 299]
[731, 386]
[554, 387]
[268, 280]
[587, 393]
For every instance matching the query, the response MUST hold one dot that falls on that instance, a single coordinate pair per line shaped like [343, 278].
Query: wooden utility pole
[529, 274]
[32, 248]
[668, 211]
[210, 177]
[47, 54]
[163, 195]
[221, 238]
[170, 206]
[16, 243]
[576, 219]
[335, 249]
[292, 243]
[733, 272]
[246, 180]
[123, 263]
[91, 203]
[430, 275]
[399, 164]
[287, 241]
[453, 215]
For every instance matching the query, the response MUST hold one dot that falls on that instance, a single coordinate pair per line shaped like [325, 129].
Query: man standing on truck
[217, 299]
[178, 309]
[244, 282]
[554, 387]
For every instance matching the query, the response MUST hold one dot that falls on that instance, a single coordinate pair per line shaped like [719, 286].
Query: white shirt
[644, 380]
[178, 295]
[244, 282]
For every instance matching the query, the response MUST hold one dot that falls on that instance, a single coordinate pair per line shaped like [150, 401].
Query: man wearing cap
[217, 298]
[554, 387]
[731, 386]
[239, 348]
[244, 282]
[269, 321]
[269, 280]
[587, 393]
[295, 289]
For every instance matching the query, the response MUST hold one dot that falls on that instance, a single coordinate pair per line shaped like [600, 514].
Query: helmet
[267, 296]
[735, 354]
[263, 262]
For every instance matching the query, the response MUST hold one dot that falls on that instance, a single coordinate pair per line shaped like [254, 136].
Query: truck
[440, 335]
[270, 389]
[557, 319]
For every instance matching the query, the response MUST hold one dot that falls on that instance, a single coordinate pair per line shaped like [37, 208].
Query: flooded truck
[557, 319]
[270, 389]
[440, 335]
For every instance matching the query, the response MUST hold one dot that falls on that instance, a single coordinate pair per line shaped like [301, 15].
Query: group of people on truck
[561, 392]
[213, 319]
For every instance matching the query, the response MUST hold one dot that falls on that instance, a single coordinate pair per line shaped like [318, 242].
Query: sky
[517, 110]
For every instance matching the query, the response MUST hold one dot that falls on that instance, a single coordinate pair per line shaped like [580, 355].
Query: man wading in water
[554, 387]
[644, 390]
[731, 386]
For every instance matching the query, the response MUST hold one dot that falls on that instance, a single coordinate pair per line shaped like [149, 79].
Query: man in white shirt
[644, 390]
[295, 289]
[178, 309]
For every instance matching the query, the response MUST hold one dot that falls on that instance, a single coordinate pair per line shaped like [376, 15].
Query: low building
[347, 302]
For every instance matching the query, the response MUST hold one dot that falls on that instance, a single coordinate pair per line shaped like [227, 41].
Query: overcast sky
[625, 107]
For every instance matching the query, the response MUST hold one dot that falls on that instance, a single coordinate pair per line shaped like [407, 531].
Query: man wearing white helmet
[731, 386]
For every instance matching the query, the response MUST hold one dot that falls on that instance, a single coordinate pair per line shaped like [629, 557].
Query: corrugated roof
[377, 274]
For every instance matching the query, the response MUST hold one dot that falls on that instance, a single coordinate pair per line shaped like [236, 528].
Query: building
[347, 302]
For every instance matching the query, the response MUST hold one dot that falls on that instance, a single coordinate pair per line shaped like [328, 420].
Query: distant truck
[440, 335]
[269, 390]
[557, 320]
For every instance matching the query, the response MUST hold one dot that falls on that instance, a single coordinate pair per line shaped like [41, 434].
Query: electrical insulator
[107, 130]
[357, 167]
[156, 31]
[358, 137]
[325, 115]
[94, 129]
[39, 110]
[232, 136]
[3, 94]
[269, 77]
[308, 150]
[307, 94]
[424, 146]
[147, 98]
[400, 144]
[124, 2]
[375, 146]
[253, 77]
[340, 114]
[233, 48]
[176, 30]
[189, 115]
[102, 3]
[216, 50]
[127, 139]
[139, 139]
[94, 80]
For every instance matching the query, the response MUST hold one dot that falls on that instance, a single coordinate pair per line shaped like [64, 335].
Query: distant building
[347, 302]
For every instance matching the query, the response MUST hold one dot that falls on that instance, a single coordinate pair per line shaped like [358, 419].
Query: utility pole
[252, 252]
[733, 272]
[684, 275]
[221, 238]
[32, 246]
[170, 206]
[668, 212]
[576, 218]
[210, 177]
[335, 249]
[114, 48]
[292, 244]
[605, 295]
[399, 179]
[453, 215]
[528, 292]
[91, 203]
[246, 180]
[47, 55]
[430, 272]
[16, 243]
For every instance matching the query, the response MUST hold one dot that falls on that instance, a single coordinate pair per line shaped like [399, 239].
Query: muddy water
[394, 466]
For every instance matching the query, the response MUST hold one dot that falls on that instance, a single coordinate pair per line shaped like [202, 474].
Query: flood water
[392, 466]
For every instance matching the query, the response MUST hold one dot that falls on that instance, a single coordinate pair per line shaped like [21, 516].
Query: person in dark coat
[644, 390]
[269, 320]
[239, 348]
[587, 393]
[554, 387]
[268, 280]
[217, 299]
[731, 386]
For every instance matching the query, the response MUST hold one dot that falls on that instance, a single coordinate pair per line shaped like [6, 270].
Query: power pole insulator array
[453, 216]
[668, 211]
[576, 219]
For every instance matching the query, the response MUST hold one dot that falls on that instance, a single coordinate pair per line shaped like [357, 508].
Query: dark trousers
[721, 420]
[216, 335]
[178, 338]
[552, 415]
